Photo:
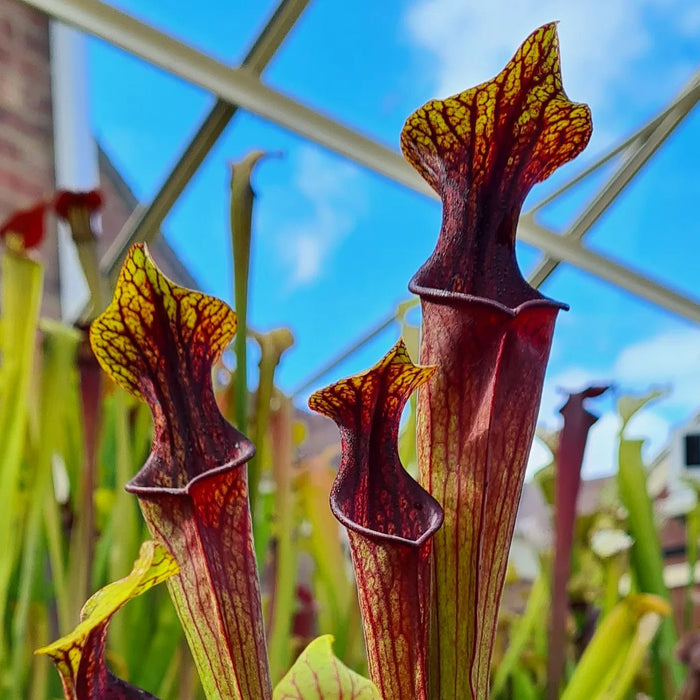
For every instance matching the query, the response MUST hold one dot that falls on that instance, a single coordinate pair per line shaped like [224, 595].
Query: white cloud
[601, 41]
[600, 458]
[669, 359]
[334, 200]
[689, 22]
[557, 388]
[306, 253]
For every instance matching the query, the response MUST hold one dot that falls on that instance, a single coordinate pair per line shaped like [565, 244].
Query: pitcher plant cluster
[430, 554]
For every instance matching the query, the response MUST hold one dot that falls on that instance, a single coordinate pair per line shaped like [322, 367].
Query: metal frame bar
[564, 249]
[238, 86]
[145, 222]
[605, 269]
[638, 151]
[629, 143]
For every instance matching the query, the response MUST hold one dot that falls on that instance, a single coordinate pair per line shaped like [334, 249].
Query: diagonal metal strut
[145, 222]
[239, 86]
[638, 151]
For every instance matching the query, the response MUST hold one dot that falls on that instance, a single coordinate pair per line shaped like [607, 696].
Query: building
[30, 147]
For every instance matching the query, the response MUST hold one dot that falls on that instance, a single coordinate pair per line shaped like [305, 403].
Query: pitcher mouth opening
[457, 299]
[138, 484]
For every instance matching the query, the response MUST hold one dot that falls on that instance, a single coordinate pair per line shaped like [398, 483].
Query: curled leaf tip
[487, 330]
[647, 602]
[65, 200]
[390, 519]
[574, 409]
[79, 656]
[522, 112]
[628, 406]
[373, 493]
[482, 151]
[159, 341]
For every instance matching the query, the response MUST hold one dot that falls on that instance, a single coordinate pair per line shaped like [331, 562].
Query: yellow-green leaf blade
[79, 656]
[319, 675]
[619, 643]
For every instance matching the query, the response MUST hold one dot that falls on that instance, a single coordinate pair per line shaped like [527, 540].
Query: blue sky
[335, 245]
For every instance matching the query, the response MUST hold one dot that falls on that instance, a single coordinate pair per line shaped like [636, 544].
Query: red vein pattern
[318, 674]
[159, 342]
[482, 151]
[80, 655]
[487, 331]
[389, 517]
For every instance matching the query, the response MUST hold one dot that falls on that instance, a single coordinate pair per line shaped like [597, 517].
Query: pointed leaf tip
[629, 406]
[482, 151]
[373, 494]
[148, 318]
[395, 377]
[79, 656]
[523, 113]
[391, 519]
[25, 228]
[159, 341]
[488, 331]
[318, 675]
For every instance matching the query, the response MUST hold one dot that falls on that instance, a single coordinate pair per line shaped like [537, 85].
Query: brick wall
[26, 145]
[26, 129]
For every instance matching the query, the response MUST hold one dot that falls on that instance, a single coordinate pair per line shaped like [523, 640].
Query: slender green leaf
[242, 199]
[59, 349]
[21, 297]
[282, 608]
[522, 630]
[617, 650]
[272, 346]
[646, 554]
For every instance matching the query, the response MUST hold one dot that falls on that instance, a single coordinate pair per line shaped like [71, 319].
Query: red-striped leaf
[389, 517]
[159, 341]
[487, 331]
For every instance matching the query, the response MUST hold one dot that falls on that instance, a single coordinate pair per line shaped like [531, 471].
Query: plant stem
[83, 539]
[272, 345]
[125, 542]
[286, 554]
[646, 554]
[242, 198]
